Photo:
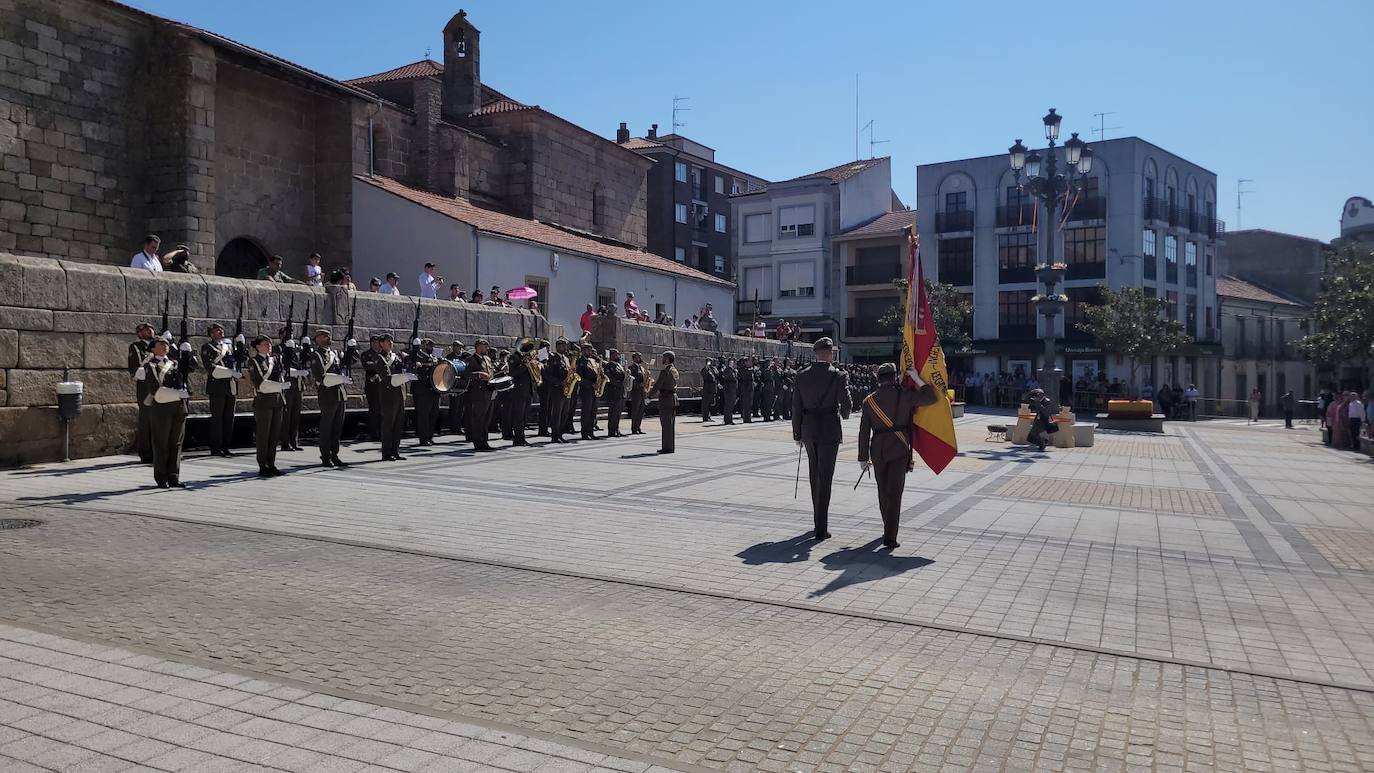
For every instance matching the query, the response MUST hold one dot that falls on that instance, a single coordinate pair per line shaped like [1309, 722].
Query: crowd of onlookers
[1346, 416]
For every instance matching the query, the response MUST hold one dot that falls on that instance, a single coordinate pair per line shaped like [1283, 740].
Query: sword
[796, 485]
[861, 477]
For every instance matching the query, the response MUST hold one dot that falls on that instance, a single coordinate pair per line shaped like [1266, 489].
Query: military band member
[745, 373]
[638, 372]
[586, 394]
[480, 372]
[426, 397]
[264, 367]
[555, 376]
[885, 441]
[667, 403]
[500, 412]
[523, 373]
[767, 370]
[326, 366]
[821, 399]
[222, 360]
[372, 386]
[290, 354]
[615, 393]
[729, 388]
[140, 352]
[392, 398]
[708, 389]
[457, 396]
[165, 384]
[788, 383]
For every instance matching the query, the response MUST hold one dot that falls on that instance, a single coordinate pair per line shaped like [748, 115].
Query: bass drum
[448, 374]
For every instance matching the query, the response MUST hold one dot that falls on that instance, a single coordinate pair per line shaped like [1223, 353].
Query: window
[1263, 331]
[1241, 393]
[738, 186]
[1240, 338]
[955, 261]
[720, 221]
[1190, 261]
[1151, 257]
[702, 255]
[756, 282]
[1079, 298]
[1171, 258]
[540, 285]
[659, 310]
[1190, 321]
[1280, 341]
[1192, 204]
[720, 183]
[598, 207]
[700, 215]
[1171, 301]
[680, 254]
[605, 296]
[1016, 257]
[1017, 197]
[797, 280]
[794, 222]
[1209, 323]
[698, 183]
[1209, 261]
[679, 171]
[1149, 187]
[956, 202]
[756, 228]
[1014, 314]
[1085, 251]
[720, 264]
[680, 213]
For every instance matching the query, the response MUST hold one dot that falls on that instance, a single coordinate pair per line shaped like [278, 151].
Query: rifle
[350, 345]
[288, 354]
[414, 335]
[184, 356]
[305, 333]
[240, 350]
[166, 325]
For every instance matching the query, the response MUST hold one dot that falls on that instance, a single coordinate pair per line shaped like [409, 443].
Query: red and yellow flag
[932, 426]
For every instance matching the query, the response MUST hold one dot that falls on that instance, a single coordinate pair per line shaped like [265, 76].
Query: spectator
[495, 295]
[181, 260]
[631, 307]
[760, 329]
[1287, 402]
[455, 293]
[586, 320]
[347, 282]
[1355, 414]
[1256, 398]
[147, 259]
[429, 283]
[374, 285]
[1191, 396]
[533, 306]
[314, 275]
[1324, 400]
[272, 272]
[708, 321]
[392, 284]
[336, 277]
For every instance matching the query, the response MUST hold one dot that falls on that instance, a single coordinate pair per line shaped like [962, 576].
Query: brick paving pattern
[1112, 495]
[1344, 548]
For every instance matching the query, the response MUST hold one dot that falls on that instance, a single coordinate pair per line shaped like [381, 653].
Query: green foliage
[1344, 311]
[1131, 324]
[948, 306]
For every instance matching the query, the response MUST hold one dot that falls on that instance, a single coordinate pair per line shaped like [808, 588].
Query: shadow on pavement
[866, 564]
[82, 470]
[785, 552]
[1018, 454]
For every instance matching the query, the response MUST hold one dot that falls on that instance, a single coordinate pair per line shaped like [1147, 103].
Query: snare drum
[501, 384]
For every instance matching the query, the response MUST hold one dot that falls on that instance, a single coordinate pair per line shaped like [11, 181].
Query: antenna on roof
[677, 108]
[1240, 189]
[1102, 127]
[857, 130]
[872, 128]
[428, 50]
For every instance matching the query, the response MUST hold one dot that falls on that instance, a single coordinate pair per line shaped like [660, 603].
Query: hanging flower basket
[1050, 305]
[1050, 274]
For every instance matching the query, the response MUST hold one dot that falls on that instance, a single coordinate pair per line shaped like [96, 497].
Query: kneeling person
[885, 441]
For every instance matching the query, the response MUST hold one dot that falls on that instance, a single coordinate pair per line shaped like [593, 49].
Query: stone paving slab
[702, 680]
[73, 706]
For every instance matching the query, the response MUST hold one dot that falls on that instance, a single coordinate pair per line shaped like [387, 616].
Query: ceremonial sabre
[796, 485]
[861, 477]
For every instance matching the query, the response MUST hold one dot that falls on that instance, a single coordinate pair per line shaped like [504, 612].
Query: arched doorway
[241, 258]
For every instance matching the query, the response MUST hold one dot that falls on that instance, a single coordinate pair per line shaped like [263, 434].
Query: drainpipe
[476, 259]
[371, 148]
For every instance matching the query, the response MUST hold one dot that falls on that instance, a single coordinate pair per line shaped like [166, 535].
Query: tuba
[526, 347]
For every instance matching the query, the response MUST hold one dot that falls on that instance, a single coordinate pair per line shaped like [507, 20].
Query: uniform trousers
[820, 469]
[221, 421]
[167, 429]
[891, 479]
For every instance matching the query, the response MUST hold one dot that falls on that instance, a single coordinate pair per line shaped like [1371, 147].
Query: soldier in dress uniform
[222, 360]
[165, 383]
[708, 389]
[615, 393]
[638, 372]
[523, 368]
[767, 388]
[422, 362]
[745, 373]
[500, 414]
[480, 372]
[787, 383]
[140, 352]
[543, 392]
[290, 354]
[268, 404]
[556, 373]
[326, 366]
[667, 403]
[885, 441]
[821, 399]
[392, 398]
[457, 398]
[729, 390]
[372, 386]
[586, 391]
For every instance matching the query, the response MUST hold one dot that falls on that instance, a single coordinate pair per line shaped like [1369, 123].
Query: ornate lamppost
[1044, 182]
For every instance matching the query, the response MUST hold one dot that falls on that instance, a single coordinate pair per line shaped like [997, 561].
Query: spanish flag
[932, 426]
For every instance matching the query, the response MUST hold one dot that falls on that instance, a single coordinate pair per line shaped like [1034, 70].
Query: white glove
[415, 342]
[291, 343]
[916, 376]
[799, 444]
[167, 336]
[863, 467]
[240, 339]
[185, 347]
[352, 343]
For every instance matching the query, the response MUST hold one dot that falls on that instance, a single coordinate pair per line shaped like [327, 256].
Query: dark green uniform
[393, 404]
[333, 402]
[637, 374]
[820, 400]
[291, 357]
[667, 408]
[767, 388]
[221, 390]
[140, 352]
[372, 391]
[708, 390]
[615, 396]
[267, 410]
[166, 420]
[522, 372]
[555, 377]
[480, 400]
[746, 392]
[586, 394]
[888, 448]
[729, 388]
[424, 394]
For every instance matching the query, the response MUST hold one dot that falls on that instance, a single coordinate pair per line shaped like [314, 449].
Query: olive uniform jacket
[819, 401]
[879, 444]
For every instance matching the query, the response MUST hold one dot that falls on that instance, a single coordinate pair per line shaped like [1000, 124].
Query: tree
[1133, 325]
[950, 309]
[1344, 311]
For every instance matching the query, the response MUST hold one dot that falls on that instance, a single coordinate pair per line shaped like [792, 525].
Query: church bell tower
[462, 73]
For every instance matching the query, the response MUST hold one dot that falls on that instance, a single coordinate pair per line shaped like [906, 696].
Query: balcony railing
[1156, 208]
[867, 326]
[1089, 208]
[959, 220]
[1013, 215]
[872, 274]
[746, 308]
[1214, 228]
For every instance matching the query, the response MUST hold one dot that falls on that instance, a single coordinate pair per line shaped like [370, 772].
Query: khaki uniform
[268, 409]
[615, 396]
[166, 421]
[140, 352]
[637, 372]
[333, 401]
[819, 401]
[393, 402]
[889, 448]
[555, 376]
[667, 408]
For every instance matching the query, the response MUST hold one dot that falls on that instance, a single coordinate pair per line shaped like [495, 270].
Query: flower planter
[1130, 409]
[1049, 307]
[1049, 275]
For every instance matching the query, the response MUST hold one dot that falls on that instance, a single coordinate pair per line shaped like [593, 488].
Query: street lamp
[1044, 182]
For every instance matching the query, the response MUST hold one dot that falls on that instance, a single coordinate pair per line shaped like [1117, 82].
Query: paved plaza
[1201, 600]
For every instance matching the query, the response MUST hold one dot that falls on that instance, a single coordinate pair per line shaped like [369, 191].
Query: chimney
[622, 135]
[462, 73]
[653, 132]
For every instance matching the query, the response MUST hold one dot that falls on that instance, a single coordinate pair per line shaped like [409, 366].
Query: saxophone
[601, 378]
[648, 380]
[536, 372]
[571, 383]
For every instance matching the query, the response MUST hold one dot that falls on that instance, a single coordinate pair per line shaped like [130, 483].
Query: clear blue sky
[1275, 91]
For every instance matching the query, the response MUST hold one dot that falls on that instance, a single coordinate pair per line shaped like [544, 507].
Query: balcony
[959, 220]
[1089, 208]
[1156, 209]
[872, 274]
[746, 308]
[1215, 229]
[1013, 215]
[857, 327]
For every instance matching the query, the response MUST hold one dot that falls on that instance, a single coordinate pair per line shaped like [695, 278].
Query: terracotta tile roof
[640, 143]
[835, 174]
[425, 68]
[503, 224]
[884, 224]
[1234, 287]
[503, 106]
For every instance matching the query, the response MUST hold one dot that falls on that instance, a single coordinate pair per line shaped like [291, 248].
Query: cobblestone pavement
[698, 679]
[73, 706]
[1244, 548]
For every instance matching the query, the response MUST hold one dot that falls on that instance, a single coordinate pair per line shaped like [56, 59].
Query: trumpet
[526, 348]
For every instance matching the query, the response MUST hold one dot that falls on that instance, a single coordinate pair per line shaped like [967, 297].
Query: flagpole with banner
[932, 426]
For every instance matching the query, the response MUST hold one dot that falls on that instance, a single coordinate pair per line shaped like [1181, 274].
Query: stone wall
[691, 348]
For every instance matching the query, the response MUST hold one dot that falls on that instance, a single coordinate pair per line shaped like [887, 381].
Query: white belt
[221, 372]
[400, 379]
[334, 379]
[274, 387]
[169, 395]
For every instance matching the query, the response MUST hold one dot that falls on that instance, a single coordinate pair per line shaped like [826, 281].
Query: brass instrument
[648, 379]
[526, 347]
[601, 378]
[571, 382]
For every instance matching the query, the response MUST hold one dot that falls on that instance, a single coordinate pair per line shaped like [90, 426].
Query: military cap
[614, 351]
[544, 343]
[561, 340]
[637, 354]
[586, 345]
[260, 339]
[424, 341]
[161, 340]
[457, 343]
[323, 332]
[822, 344]
[481, 342]
[887, 369]
[142, 325]
[385, 337]
[374, 338]
[214, 325]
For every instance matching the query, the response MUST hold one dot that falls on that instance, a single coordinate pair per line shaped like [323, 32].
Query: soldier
[326, 366]
[667, 403]
[165, 386]
[372, 386]
[555, 376]
[886, 420]
[266, 374]
[480, 372]
[290, 354]
[391, 398]
[637, 375]
[500, 415]
[766, 388]
[222, 360]
[457, 397]
[789, 383]
[586, 393]
[820, 400]
[745, 373]
[543, 391]
[522, 373]
[729, 386]
[615, 393]
[422, 362]
[708, 390]
[140, 352]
